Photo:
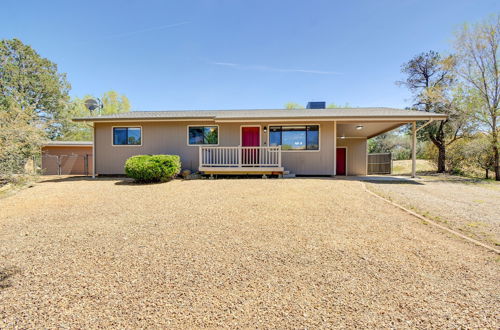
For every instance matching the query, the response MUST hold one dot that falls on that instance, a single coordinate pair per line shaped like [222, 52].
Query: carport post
[334, 148]
[414, 149]
[93, 152]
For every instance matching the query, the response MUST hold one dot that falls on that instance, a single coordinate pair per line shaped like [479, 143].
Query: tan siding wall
[171, 138]
[157, 138]
[356, 155]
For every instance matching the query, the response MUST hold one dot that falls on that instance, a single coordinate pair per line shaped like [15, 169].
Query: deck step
[287, 174]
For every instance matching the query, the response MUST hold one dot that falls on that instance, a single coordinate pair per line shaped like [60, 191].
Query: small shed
[67, 158]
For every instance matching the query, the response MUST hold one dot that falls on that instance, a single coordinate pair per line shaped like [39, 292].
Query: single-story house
[312, 141]
[67, 157]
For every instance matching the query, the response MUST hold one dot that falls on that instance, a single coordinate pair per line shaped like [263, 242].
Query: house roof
[68, 143]
[337, 113]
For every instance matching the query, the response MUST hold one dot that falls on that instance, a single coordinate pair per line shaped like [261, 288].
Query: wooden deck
[242, 170]
[240, 160]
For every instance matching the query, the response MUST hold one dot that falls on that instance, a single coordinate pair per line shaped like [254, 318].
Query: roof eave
[97, 119]
[338, 118]
[295, 118]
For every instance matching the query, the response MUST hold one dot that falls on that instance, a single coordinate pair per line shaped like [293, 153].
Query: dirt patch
[233, 253]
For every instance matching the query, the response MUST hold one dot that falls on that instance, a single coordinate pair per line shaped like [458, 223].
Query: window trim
[125, 145]
[203, 145]
[295, 124]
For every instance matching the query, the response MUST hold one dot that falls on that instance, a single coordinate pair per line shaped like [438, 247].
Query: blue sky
[235, 54]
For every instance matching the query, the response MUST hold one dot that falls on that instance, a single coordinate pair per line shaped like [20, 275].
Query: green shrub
[153, 168]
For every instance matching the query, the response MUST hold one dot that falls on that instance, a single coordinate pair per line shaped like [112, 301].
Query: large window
[126, 136]
[203, 135]
[295, 137]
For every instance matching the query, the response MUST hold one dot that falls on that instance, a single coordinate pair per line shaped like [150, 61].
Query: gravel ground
[469, 205]
[298, 253]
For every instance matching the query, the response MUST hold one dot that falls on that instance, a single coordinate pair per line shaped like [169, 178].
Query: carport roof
[337, 113]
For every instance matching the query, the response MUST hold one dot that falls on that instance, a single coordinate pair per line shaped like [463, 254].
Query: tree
[335, 106]
[478, 152]
[293, 105]
[396, 142]
[113, 102]
[20, 139]
[33, 98]
[33, 84]
[477, 49]
[431, 80]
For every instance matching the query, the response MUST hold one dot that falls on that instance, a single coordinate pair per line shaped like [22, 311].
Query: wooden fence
[66, 164]
[380, 163]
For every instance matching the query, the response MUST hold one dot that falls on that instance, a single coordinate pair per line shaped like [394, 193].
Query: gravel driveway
[295, 253]
[469, 205]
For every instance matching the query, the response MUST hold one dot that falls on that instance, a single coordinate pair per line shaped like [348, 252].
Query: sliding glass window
[203, 135]
[126, 136]
[295, 137]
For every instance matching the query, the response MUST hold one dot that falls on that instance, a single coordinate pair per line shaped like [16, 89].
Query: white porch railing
[261, 157]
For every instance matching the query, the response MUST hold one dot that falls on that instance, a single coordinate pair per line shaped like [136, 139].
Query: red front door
[250, 137]
[341, 161]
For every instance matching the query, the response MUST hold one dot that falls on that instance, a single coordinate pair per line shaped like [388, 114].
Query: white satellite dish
[93, 104]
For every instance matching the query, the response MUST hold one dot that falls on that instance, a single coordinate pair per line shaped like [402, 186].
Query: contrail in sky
[156, 28]
[131, 33]
[270, 69]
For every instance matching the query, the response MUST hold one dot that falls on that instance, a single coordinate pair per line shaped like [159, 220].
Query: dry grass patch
[403, 167]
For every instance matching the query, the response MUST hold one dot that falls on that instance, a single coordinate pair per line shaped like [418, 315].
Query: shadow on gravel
[414, 183]
[119, 180]
[458, 179]
[5, 274]
[382, 179]
[131, 182]
[79, 178]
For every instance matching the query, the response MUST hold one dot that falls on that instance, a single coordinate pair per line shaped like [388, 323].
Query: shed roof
[68, 143]
[337, 113]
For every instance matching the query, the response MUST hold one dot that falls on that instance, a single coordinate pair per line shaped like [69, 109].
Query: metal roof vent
[316, 105]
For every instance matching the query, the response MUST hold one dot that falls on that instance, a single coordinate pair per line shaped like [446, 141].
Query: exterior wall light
[359, 127]
[265, 129]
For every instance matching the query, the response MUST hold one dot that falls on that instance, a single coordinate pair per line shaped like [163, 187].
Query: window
[203, 135]
[295, 137]
[127, 136]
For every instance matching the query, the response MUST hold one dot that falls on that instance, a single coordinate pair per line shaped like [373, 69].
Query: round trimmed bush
[152, 168]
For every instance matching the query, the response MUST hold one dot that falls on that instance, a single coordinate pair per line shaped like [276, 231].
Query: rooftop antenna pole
[91, 105]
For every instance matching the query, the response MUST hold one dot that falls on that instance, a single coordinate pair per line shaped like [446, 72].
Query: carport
[367, 129]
